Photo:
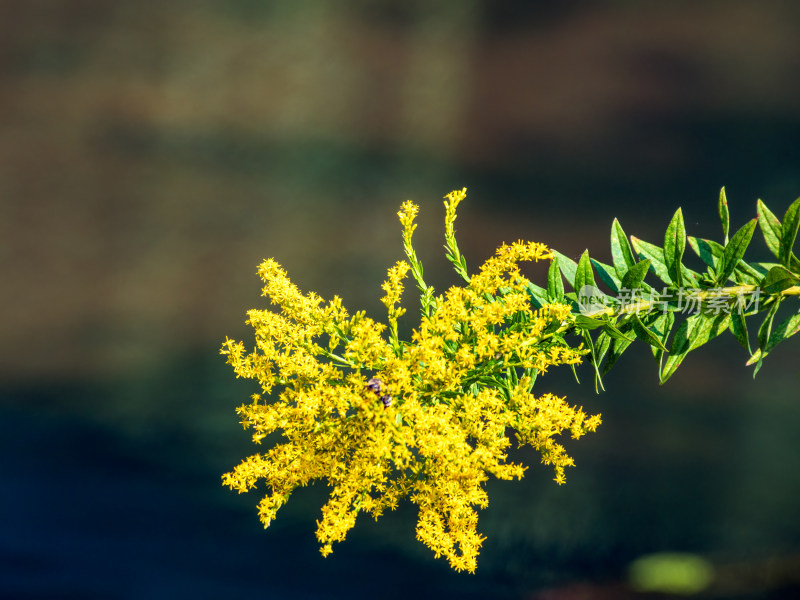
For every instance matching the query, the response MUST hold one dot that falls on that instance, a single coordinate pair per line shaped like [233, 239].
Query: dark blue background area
[138, 512]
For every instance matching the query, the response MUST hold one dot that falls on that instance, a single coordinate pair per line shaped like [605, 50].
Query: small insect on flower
[375, 386]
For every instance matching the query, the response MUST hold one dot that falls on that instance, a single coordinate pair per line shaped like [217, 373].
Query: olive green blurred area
[153, 153]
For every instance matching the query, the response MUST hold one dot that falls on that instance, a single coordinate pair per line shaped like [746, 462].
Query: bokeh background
[152, 153]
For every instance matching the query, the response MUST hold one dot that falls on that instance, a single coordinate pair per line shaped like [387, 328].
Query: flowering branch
[380, 418]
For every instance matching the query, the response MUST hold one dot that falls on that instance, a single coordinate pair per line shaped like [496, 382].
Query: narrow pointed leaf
[612, 332]
[765, 330]
[583, 273]
[764, 335]
[598, 380]
[690, 278]
[644, 334]
[744, 273]
[618, 346]
[749, 273]
[567, 265]
[607, 275]
[661, 326]
[538, 295]
[724, 214]
[585, 323]
[738, 327]
[709, 251]
[602, 344]
[791, 222]
[657, 265]
[575, 373]
[601, 347]
[693, 333]
[735, 250]
[770, 227]
[635, 275]
[572, 298]
[674, 246]
[655, 255]
[765, 267]
[555, 285]
[621, 253]
[779, 279]
[755, 358]
[787, 328]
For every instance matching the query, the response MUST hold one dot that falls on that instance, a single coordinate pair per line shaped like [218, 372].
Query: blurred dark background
[152, 153]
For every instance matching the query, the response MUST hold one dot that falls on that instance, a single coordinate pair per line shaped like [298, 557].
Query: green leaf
[618, 346]
[601, 347]
[791, 222]
[735, 250]
[778, 279]
[765, 331]
[674, 246]
[644, 334]
[661, 326]
[693, 333]
[764, 335]
[770, 227]
[607, 274]
[621, 253]
[598, 380]
[583, 273]
[724, 214]
[585, 323]
[655, 255]
[632, 280]
[709, 251]
[784, 331]
[572, 298]
[456, 259]
[745, 273]
[538, 295]
[555, 286]
[615, 333]
[738, 327]
[567, 265]
[764, 267]
[575, 373]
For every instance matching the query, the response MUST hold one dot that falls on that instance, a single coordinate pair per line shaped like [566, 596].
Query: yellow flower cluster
[383, 419]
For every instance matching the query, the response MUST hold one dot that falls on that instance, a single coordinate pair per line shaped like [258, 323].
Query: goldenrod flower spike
[408, 212]
[393, 286]
[451, 202]
[427, 419]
